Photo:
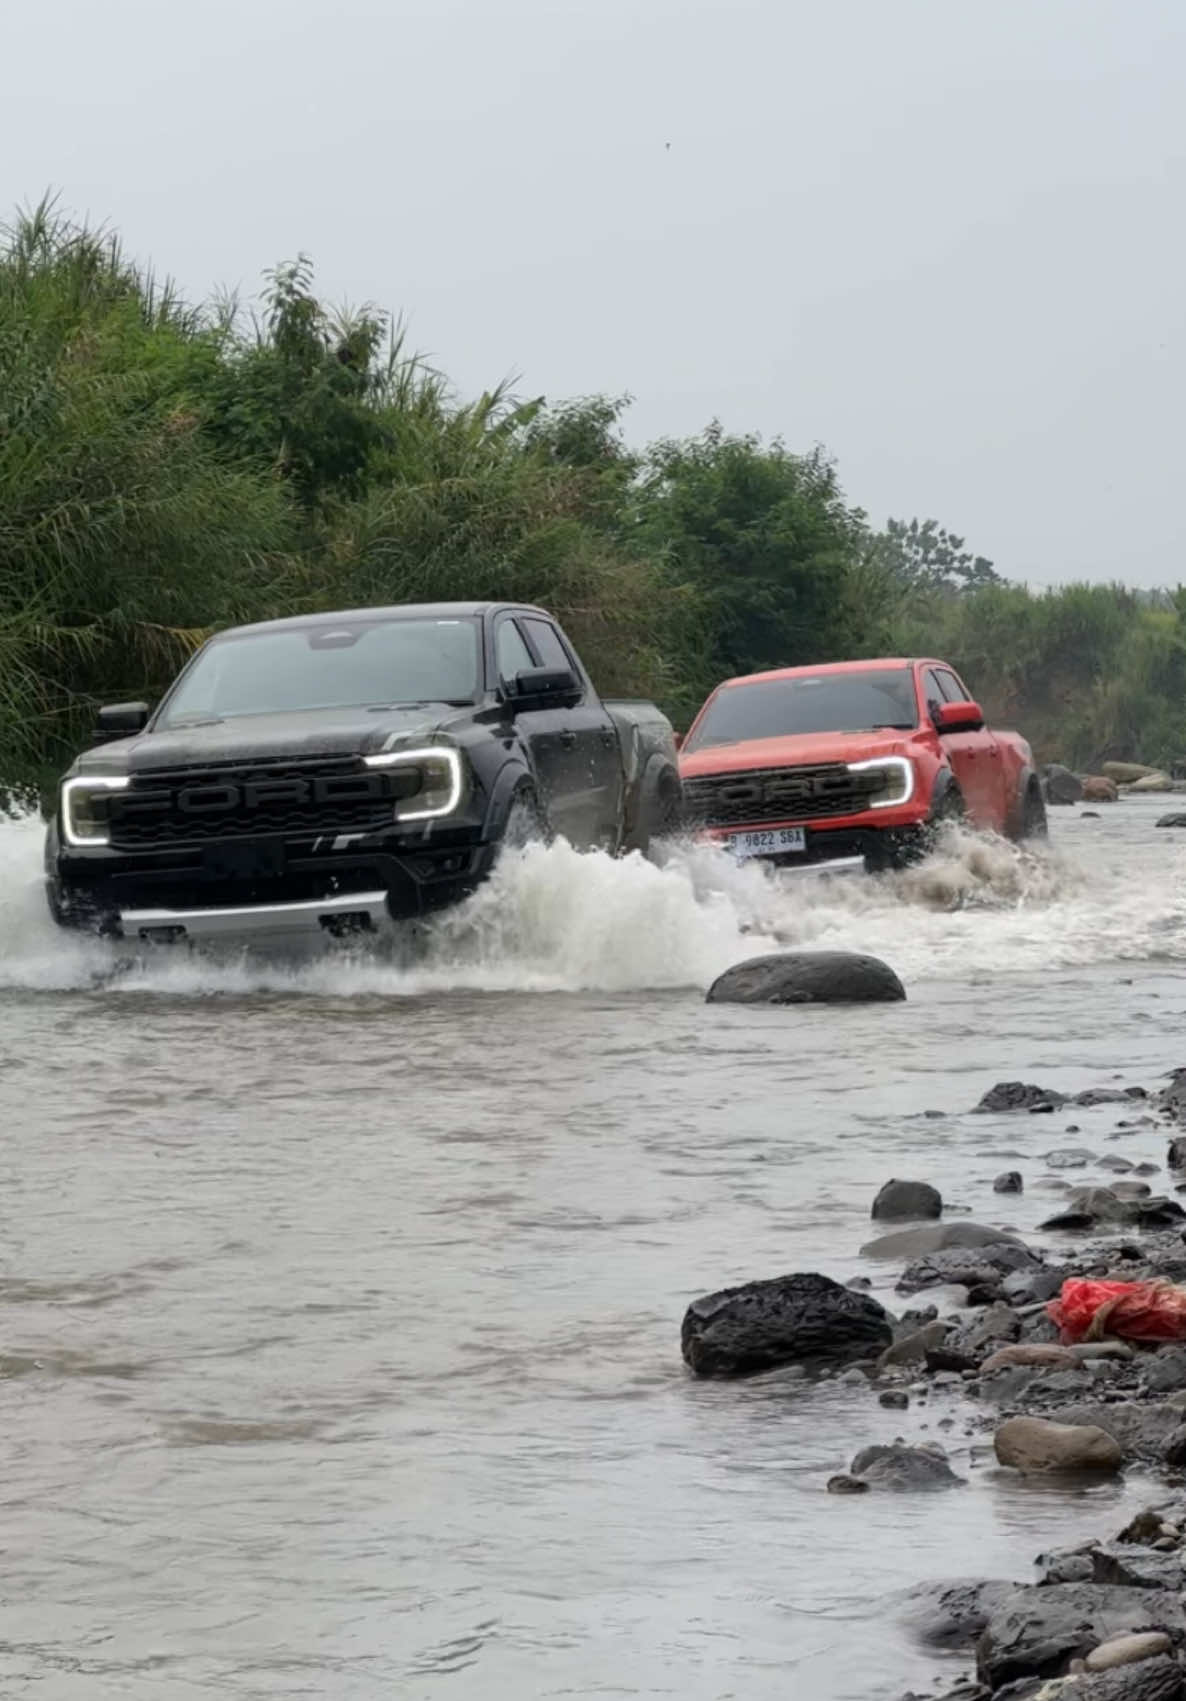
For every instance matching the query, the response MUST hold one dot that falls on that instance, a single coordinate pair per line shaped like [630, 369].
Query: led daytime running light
[87, 783]
[890, 766]
[433, 753]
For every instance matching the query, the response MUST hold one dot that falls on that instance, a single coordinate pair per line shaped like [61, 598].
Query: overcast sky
[945, 238]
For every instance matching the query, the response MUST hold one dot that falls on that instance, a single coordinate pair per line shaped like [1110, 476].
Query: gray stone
[1020, 1095]
[1140, 1427]
[913, 1348]
[844, 1484]
[1061, 785]
[1069, 1157]
[1036, 1446]
[798, 1319]
[1035, 1632]
[1009, 1182]
[1163, 1372]
[899, 1466]
[907, 1200]
[934, 1237]
[1128, 1650]
[984, 1265]
[808, 977]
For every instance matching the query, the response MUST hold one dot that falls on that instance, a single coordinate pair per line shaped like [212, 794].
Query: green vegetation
[166, 470]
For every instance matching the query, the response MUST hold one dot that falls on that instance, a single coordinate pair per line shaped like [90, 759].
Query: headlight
[898, 786]
[83, 814]
[442, 780]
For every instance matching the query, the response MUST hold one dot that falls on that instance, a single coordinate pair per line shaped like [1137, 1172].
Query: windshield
[359, 664]
[809, 702]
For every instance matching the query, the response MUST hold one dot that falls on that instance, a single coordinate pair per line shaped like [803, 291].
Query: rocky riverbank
[975, 1338]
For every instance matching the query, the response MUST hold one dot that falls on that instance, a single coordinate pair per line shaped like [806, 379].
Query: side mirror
[959, 717]
[545, 688]
[119, 720]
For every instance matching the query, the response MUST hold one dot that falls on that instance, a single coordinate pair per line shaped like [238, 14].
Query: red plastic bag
[1136, 1311]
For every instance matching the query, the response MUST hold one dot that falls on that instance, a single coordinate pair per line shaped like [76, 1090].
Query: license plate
[775, 841]
[250, 861]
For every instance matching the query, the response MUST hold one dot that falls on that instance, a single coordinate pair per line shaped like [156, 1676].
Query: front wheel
[905, 847]
[526, 823]
[659, 816]
[1033, 823]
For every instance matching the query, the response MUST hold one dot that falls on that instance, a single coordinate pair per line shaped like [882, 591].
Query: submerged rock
[899, 1466]
[907, 1200]
[1062, 786]
[798, 1319]
[808, 977]
[1009, 1182]
[1020, 1095]
[934, 1237]
[976, 1267]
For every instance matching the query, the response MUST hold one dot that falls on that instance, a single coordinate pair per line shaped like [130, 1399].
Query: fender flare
[512, 777]
[659, 768]
[944, 783]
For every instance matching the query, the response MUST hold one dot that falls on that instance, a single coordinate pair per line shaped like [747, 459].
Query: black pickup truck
[331, 773]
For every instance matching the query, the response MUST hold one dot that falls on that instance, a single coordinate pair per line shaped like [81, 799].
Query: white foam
[551, 919]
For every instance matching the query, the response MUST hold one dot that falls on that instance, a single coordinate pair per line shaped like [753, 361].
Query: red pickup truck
[852, 759]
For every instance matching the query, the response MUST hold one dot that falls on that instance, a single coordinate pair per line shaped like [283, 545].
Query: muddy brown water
[340, 1301]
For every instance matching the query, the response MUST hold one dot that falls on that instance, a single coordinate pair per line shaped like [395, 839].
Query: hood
[794, 750]
[266, 738]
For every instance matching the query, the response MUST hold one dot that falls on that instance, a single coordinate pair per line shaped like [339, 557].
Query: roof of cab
[833, 667]
[398, 611]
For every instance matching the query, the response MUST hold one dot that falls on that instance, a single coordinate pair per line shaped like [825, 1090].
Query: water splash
[551, 919]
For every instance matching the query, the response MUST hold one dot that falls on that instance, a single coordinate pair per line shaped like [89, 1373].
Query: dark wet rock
[1176, 1153]
[1068, 1565]
[1109, 1095]
[895, 1398]
[859, 1284]
[808, 977]
[1147, 1169]
[1089, 815]
[1036, 1632]
[1117, 1164]
[1009, 1182]
[1172, 821]
[1069, 1157]
[1030, 1287]
[934, 1237]
[1174, 1452]
[1158, 1679]
[1061, 785]
[1164, 1372]
[955, 1615]
[1036, 1446]
[899, 1466]
[914, 1318]
[913, 1348]
[1132, 1189]
[1133, 1567]
[968, 1268]
[844, 1484]
[799, 1319]
[1089, 1206]
[907, 1200]
[1020, 1095]
[946, 1360]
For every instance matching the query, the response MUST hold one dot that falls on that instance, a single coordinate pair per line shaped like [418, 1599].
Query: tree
[926, 557]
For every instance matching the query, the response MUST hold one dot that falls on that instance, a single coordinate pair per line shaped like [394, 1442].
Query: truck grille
[778, 794]
[233, 800]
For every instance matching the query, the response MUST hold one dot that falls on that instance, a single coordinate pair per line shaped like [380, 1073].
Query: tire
[659, 816]
[526, 823]
[1033, 823]
[909, 846]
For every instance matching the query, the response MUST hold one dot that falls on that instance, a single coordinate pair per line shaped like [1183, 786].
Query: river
[341, 1301]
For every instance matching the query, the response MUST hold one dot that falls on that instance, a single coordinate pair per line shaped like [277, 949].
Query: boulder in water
[1128, 773]
[1062, 786]
[1035, 1632]
[1009, 1182]
[904, 1200]
[808, 977]
[1152, 782]
[1172, 821]
[1097, 788]
[1020, 1095]
[899, 1466]
[933, 1237]
[800, 1319]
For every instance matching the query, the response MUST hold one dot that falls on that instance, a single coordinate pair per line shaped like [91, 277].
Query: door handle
[568, 740]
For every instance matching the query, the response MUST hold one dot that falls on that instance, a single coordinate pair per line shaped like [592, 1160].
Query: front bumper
[264, 887]
[879, 843]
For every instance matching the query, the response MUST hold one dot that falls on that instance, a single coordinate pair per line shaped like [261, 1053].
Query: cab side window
[546, 642]
[950, 686]
[934, 692]
[510, 652]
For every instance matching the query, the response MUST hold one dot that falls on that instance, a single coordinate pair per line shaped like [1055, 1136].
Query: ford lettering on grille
[178, 808]
[779, 794]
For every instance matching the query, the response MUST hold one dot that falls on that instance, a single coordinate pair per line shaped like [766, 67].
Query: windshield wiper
[421, 703]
